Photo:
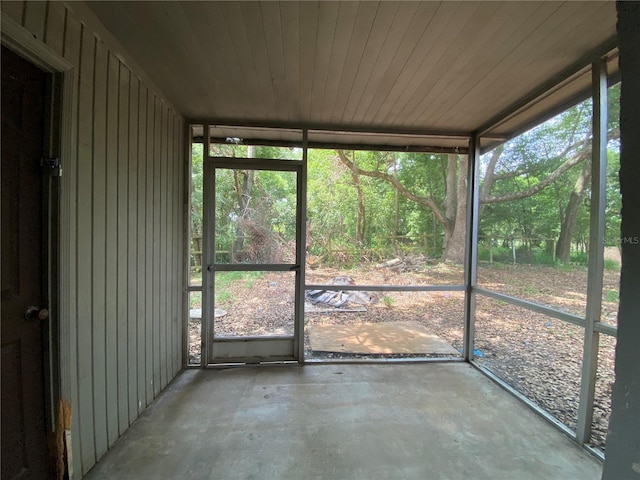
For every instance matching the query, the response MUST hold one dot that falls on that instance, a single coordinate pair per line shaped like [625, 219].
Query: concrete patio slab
[388, 421]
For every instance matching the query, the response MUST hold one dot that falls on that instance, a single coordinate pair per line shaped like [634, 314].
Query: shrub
[579, 257]
[611, 265]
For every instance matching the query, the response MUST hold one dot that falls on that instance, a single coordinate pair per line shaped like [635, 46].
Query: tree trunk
[243, 185]
[563, 249]
[396, 217]
[450, 198]
[489, 179]
[455, 227]
[360, 214]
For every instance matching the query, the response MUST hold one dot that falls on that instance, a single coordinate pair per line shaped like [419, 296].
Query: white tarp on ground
[340, 300]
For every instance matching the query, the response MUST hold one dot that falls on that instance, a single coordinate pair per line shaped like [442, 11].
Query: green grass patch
[223, 296]
[529, 290]
[225, 279]
[388, 301]
[195, 300]
[611, 265]
[579, 257]
[612, 296]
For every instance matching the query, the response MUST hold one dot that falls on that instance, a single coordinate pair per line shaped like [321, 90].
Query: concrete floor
[418, 421]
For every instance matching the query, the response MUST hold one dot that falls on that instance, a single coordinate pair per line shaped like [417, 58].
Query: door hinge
[52, 165]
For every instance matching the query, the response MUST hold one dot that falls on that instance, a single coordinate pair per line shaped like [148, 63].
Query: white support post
[208, 253]
[301, 253]
[186, 239]
[596, 251]
[471, 250]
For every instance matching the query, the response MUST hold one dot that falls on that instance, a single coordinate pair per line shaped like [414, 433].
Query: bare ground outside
[540, 356]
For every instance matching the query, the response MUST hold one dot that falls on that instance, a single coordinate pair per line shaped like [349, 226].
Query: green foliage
[540, 257]
[534, 256]
[561, 267]
[579, 258]
[195, 299]
[224, 280]
[613, 197]
[255, 210]
[196, 189]
[392, 224]
[387, 301]
[530, 159]
[611, 265]
[612, 296]
[223, 296]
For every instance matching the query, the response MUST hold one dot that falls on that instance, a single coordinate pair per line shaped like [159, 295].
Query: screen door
[253, 254]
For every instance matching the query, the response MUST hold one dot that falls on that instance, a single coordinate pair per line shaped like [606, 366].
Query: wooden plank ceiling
[403, 67]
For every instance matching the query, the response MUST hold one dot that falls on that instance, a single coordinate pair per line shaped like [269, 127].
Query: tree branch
[401, 189]
[580, 156]
[490, 178]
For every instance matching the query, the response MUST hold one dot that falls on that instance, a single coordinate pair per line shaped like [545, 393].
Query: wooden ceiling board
[326, 32]
[360, 35]
[191, 52]
[523, 70]
[290, 19]
[260, 100]
[238, 93]
[362, 30]
[208, 53]
[452, 42]
[501, 95]
[455, 60]
[368, 64]
[577, 86]
[275, 56]
[388, 66]
[345, 22]
[582, 33]
[486, 94]
[167, 73]
[415, 44]
[504, 40]
[254, 23]
[529, 67]
[549, 18]
[382, 77]
[414, 65]
[495, 28]
[308, 51]
[584, 29]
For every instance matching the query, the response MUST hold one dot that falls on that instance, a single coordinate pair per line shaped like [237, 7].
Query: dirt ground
[538, 355]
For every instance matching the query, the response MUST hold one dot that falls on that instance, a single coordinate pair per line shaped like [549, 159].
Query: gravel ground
[538, 355]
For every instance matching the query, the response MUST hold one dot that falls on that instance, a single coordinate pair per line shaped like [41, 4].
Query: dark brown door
[24, 431]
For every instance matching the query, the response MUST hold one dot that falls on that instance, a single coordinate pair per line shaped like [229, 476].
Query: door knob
[36, 313]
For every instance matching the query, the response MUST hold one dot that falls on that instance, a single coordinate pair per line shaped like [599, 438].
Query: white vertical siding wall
[121, 235]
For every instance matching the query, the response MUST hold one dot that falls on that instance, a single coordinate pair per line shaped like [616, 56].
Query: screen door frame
[250, 349]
